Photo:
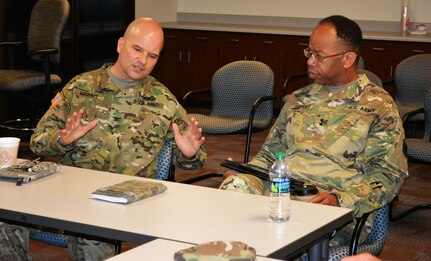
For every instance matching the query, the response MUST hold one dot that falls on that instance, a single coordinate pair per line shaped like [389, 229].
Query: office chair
[374, 242]
[371, 76]
[418, 149]
[47, 22]
[166, 170]
[242, 95]
[412, 81]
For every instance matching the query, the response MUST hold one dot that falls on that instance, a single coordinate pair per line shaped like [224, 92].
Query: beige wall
[374, 10]
[161, 10]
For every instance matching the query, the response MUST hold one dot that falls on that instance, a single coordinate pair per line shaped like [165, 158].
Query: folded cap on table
[217, 251]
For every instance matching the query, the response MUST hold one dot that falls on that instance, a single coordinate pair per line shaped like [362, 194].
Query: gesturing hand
[190, 142]
[74, 130]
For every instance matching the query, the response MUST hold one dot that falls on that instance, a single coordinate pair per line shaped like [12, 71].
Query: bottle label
[280, 186]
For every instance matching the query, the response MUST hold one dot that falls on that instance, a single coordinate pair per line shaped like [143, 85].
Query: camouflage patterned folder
[28, 171]
[129, 191]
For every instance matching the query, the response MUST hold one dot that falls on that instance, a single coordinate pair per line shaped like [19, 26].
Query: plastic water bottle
[279, 206]
[405, 15]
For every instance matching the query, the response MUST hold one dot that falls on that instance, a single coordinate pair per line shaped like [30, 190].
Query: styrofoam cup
[8, 151]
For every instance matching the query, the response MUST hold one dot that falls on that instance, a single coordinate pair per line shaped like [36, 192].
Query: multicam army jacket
[348, 141]
[132, 125]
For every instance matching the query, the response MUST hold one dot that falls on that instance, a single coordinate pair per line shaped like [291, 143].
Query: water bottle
[405, 15]
[279, 206]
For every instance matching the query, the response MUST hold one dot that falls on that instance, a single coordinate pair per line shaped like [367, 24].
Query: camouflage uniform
[14, 243]
[349, 140]
[132, 125]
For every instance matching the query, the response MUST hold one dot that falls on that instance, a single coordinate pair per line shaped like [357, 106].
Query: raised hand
[191, 140]
[74, 130]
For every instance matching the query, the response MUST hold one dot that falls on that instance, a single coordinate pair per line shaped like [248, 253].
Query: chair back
[237, 85]
[427, 108]
[374, 242]
[361, 63]
[371, 76]
[379, 232]
[412, 80]
[47, 21]
[165, 169]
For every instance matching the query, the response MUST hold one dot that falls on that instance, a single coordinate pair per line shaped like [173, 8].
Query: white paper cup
[8, 151]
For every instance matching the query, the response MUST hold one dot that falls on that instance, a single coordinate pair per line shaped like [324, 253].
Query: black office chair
[47, 22]
[417, 149]
[166, 170]
[412, 81]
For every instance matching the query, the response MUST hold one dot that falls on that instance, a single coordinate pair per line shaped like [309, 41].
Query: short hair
[347, 30]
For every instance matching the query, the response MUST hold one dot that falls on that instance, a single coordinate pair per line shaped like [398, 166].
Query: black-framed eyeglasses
[319, 58]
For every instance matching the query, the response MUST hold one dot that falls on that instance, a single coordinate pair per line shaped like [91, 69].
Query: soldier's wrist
[63, 145]
[336, 196]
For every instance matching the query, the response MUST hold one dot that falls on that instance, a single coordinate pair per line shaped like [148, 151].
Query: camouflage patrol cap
[217, 251]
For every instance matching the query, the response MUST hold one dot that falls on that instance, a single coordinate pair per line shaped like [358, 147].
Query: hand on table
[325, 199]
[74, 130]
[190, 142]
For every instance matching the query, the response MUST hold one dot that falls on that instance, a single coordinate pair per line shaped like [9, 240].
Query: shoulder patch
[56, 99]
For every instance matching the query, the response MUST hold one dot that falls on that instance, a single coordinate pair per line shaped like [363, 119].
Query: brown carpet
[408, 238]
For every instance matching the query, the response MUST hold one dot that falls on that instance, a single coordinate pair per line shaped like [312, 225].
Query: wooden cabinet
[382, 57]
[296, 62]
[187, 61]
[269, 49]
[190, 57]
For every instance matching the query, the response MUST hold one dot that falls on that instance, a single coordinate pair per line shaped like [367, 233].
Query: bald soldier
[342, 132]
[113, 119]
[117, 118]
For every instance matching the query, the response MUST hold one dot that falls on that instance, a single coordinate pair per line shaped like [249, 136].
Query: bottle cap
[279, 155]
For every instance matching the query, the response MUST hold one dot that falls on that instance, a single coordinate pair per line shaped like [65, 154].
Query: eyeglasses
[319, 58]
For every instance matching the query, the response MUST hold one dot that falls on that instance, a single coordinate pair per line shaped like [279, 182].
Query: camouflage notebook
[128, 191]
[28, 171]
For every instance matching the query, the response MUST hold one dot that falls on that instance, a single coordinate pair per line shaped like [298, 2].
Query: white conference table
[186, 213]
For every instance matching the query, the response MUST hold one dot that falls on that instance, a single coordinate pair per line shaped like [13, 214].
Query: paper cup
[8, 151]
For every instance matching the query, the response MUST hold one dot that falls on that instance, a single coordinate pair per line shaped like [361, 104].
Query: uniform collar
[352, 91]
[105, 83]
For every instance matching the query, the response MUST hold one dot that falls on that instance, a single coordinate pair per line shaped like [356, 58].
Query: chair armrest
[388, 81]
[412, 113]
[11, 43]
[377, 234]
[194, 92]
[10, 46]
[43, 51]
[286, 85]
[250, 123]
[360, 222]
